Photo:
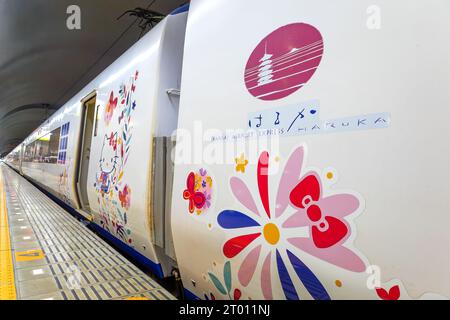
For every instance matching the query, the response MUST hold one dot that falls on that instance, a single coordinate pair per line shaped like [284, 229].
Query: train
[266, 149]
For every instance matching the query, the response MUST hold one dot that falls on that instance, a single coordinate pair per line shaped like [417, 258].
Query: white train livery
[268, 150]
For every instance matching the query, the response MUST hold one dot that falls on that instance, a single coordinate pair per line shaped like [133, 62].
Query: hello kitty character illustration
[114, 193]
[109, 162]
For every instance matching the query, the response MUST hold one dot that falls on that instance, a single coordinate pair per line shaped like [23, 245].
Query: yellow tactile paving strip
[7, 282]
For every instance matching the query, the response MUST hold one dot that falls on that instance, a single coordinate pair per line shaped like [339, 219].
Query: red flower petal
[235, 245]
[190, 182]
[237, 294]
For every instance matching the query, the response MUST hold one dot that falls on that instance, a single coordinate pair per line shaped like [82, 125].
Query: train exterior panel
[348, 197]
[48, 153]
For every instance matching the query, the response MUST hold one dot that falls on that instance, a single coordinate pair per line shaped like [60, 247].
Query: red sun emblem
[284, 61]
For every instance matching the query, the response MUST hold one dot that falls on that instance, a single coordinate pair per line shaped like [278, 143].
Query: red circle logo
[284, 61]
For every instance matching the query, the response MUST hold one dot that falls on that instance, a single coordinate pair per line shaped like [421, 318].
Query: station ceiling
[43, 63]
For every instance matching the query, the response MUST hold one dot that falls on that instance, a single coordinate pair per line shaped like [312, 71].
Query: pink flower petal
[243, 194]
[339, 205]
[337, 255]
[248, 266]
[266, 282]
[289, 179]
[297, 220]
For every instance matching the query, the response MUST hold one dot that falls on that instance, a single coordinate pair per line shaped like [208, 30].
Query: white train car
[354, 178]
[304, 165]
[96, 152]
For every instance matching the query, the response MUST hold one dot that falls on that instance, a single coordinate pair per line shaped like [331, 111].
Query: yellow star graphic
[241, 162]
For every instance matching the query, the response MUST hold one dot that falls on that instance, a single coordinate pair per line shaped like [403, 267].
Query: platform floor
[45, 253]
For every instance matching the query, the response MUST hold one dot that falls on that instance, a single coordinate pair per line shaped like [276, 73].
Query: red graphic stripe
[263, 180]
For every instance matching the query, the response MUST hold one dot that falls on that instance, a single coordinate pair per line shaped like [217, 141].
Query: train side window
[61, 147]
[52, 155]
[41, 147]
[30, 152]
[27, 154]
[36, 148]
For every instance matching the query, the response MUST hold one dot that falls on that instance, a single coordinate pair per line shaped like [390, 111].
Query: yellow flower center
[271, 233]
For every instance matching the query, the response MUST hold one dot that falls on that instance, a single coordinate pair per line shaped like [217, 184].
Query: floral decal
[114, 195]
[391, 294]
[271, 235]
[395, 290]
[226, 288]
[125, 197]
[241, 163]
[111, 105]
[198, 191]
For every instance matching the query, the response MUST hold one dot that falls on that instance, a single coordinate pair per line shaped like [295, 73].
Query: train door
[85, 150]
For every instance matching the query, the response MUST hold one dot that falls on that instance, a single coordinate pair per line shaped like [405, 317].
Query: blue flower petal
[286, 282]
[231, 219]
[307, 277]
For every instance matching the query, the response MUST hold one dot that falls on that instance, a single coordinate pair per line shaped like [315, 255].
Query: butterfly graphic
[112, 101]
[196, 199]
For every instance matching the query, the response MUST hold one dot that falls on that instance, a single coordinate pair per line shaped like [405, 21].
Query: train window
[52, 154]
[44, 149]
[50, 148]
[28, 153]
[63, 143]
[41, 147]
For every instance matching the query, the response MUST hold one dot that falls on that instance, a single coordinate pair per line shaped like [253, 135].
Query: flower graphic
[113, 140]
[241, 163]
[198, 191]
[125, 197]
[196, 199]
[271, 236]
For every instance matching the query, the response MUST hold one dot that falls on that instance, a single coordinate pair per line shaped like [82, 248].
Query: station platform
[47, 254]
